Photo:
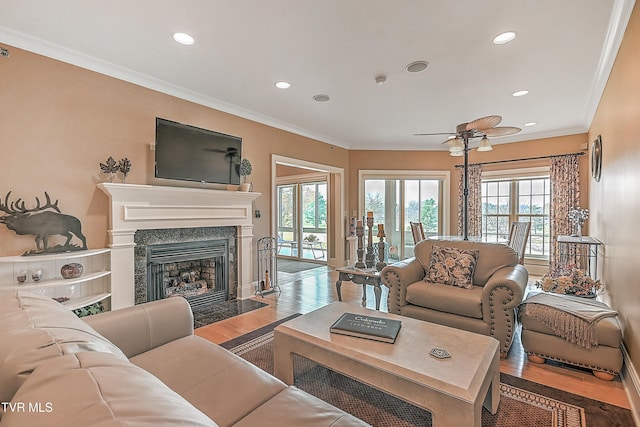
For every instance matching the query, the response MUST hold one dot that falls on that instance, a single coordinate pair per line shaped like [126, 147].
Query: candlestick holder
[381, 264]
[360, 250]
[370, 257]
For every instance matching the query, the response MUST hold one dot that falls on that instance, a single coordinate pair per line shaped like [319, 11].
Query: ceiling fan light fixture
[485, 145]
[457, 153]
[455, 145]
[505, 37]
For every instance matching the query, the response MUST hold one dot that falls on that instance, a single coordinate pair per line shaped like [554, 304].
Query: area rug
[522, 403]
[292, 266]
[211, 313]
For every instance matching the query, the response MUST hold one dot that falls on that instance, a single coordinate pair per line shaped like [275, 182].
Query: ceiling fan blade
[484, 123]
[436, 133]
[501, 131]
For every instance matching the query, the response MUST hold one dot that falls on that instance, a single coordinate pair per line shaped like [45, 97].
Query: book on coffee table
[370, 327]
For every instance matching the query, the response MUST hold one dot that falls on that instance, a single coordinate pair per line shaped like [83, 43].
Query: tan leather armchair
[499, 284]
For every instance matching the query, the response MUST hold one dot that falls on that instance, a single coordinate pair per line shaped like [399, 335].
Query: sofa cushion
[219, 383]
[448, 299]
[36, 328]
[491, 258]
[99, 389]
[452, 266]
[309, 412]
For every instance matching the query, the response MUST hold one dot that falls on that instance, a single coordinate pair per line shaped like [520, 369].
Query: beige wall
[615, 200]
[58, 122]
[441, 160]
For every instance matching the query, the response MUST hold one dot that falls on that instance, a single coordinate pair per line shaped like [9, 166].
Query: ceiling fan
[485, 126]
[459, 146]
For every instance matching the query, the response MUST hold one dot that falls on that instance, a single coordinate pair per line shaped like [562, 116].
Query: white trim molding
[142, 207]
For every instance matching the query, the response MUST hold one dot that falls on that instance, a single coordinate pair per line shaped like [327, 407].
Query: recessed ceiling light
[321, 98]
[530, 124]
[520, 93]
[183, 38]
[417, 66]
[505, 37]
[283, 85]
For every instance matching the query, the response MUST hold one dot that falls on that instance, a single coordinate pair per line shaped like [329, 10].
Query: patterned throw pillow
[452, 266]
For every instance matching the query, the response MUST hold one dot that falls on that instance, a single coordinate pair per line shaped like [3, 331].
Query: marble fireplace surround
[145, 207]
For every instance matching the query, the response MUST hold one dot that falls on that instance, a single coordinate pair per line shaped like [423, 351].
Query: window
[396, 199]
[505, 200]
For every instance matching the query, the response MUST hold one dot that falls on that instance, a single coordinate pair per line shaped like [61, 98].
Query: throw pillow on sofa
[452, 266]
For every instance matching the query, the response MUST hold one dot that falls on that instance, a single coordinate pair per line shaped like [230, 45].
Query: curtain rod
[581, 153]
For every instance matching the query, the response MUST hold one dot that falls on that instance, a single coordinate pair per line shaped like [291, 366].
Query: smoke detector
[381, 79]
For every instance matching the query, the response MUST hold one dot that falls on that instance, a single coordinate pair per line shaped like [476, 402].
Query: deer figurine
[42, 224]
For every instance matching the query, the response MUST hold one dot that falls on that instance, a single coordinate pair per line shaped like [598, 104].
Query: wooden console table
[362, 277]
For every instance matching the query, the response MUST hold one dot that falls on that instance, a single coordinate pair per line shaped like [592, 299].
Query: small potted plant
[245, 171]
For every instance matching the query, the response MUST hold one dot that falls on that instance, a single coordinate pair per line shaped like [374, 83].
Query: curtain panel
[564, 174]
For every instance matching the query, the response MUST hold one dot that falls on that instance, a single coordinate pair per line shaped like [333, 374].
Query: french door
[302, 220]
[398, 200]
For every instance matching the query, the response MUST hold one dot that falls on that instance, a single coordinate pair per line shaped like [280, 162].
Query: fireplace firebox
[196, 271]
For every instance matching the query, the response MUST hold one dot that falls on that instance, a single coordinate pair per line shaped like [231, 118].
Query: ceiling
[563, 53]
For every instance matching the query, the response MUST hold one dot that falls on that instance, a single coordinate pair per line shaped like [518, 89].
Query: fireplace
[195, 263]
[172, 215]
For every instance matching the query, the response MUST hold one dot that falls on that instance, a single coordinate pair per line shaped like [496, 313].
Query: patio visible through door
[302, 220]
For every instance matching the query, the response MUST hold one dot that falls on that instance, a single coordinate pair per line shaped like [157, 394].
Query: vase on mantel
[245, 187]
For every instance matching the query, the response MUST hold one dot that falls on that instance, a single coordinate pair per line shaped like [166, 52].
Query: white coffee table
[452, 389]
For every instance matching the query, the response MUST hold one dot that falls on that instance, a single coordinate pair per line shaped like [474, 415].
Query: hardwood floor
[308, 290]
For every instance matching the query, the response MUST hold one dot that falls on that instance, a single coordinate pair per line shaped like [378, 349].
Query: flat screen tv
[190, 153]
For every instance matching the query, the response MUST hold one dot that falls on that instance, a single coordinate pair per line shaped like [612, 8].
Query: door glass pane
[314, 220]
[397, 202]
[287, 224]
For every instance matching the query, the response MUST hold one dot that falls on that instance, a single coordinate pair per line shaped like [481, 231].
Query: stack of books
[370, 327]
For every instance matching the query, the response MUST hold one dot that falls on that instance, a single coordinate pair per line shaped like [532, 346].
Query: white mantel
[142, 207]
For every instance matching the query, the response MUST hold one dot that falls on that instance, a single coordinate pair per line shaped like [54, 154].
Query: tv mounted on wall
[190, 153]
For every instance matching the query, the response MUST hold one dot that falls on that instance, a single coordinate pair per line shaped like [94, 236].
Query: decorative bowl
[72, 270]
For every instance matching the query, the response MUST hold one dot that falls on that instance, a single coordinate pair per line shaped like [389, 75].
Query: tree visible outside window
[395, 202]
[508, 200]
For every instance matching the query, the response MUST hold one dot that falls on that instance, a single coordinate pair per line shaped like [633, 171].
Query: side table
[360, 276]
[582, 251]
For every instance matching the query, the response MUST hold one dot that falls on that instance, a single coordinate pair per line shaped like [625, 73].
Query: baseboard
[247, 290]
[631, 383]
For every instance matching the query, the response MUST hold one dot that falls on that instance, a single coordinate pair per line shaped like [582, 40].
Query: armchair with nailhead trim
[488, 306]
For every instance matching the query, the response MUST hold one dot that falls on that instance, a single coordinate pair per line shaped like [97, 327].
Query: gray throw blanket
[569, 317]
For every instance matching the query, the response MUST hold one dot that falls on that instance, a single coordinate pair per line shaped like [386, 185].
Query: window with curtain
[507, 199]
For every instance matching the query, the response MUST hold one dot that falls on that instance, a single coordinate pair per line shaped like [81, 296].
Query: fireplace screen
[193, 270]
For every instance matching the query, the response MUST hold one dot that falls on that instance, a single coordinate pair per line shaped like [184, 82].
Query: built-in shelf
[75, 303]
[93, 285]
[57, 282]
